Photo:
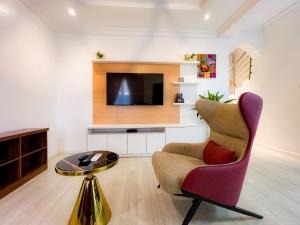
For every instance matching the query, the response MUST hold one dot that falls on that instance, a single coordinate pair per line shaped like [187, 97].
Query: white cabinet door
[155, 142]
[117, 143]
[194, 134]
[185, 134]
[175, 135]
[136, 143]
[97, 142]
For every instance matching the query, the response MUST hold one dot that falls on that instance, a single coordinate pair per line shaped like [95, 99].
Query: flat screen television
[134, 88]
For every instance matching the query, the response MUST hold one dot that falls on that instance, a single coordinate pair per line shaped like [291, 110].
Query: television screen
[134, 88]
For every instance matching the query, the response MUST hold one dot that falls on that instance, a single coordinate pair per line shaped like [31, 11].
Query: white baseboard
[52, 154]
[74, 151]
[278, 150]
[70, 151]
[136, 155]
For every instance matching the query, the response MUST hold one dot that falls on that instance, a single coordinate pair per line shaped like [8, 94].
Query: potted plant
[214, 97]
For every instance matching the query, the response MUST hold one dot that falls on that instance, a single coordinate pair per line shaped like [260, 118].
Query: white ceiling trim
[195, 5]
[106, 31]
[282, 13]
[236, 16]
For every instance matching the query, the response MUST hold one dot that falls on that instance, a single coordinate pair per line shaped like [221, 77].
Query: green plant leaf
[211, 96]
[215, 97]
[202, 96]
[230, 100]
[220, 97]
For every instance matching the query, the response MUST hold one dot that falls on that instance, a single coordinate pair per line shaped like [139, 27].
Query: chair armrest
[193, 150]
[219, 183]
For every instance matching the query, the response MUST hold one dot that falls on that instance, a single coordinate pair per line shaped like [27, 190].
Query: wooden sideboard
[23, 155]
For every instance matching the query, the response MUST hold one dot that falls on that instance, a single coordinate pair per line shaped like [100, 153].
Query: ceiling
[160, 16]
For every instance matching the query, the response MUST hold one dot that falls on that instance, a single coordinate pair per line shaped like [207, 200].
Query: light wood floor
[272, 188]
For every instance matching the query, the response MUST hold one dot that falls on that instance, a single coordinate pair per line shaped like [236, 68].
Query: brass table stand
[91, 207]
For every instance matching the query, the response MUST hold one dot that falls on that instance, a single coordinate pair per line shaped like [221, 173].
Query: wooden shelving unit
[23, 155]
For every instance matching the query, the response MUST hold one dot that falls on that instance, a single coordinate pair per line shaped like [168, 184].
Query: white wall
[27, 72]
[33, 60]
[276, 78]
[28, 75]
[75, 53]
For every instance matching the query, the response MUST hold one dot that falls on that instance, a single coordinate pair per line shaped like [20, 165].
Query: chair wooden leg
[189, 216]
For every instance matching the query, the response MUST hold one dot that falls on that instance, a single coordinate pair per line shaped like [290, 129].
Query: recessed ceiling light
[207, 16]
[71, 12]
[4, 10]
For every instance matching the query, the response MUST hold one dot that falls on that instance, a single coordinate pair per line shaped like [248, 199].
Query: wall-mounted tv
[135, 88]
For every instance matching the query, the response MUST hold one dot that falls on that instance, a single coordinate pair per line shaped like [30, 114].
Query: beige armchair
[227, 128]
[174, 162]
[180, 168]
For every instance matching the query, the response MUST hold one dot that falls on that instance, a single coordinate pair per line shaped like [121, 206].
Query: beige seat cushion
[171, 169]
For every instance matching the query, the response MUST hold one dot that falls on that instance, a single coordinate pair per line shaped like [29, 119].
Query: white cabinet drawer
[136, 143]
[97, 142]
[185, 134]
[155, 142]
[117, 143]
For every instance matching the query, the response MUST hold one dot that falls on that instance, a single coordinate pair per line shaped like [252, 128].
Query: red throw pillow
[216, 154]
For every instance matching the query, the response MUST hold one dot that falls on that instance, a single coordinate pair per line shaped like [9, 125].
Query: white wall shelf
[184, 104]
[185, 83]
[108, 127]
[145, 61]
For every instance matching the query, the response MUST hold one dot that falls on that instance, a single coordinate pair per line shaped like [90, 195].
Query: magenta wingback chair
[233, 126]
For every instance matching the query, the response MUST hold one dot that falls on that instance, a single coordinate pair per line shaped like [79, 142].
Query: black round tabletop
[73, 166]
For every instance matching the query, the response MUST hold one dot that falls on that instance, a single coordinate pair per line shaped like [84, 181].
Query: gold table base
[91, 207]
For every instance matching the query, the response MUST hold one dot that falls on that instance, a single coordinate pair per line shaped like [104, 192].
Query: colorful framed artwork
[207, 65]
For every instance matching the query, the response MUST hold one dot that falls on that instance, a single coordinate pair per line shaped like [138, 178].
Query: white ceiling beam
[172, 5]
[236, 16]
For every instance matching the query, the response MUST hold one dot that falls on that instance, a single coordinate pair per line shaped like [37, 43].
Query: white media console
[142, 139]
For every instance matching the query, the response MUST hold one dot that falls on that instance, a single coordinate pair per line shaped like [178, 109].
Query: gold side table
[91, 207]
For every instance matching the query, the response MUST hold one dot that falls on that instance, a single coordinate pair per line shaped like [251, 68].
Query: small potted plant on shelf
[214, 97]
[190, 57]
[99, 55]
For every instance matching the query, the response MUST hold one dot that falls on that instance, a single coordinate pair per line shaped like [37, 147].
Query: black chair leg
[245, 212]
[189, 216]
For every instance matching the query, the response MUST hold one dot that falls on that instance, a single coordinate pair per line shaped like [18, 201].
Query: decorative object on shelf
[190, 57]
[215, 97]
[100, 55]
[207, 65]
[179, 98]
[181, 79]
